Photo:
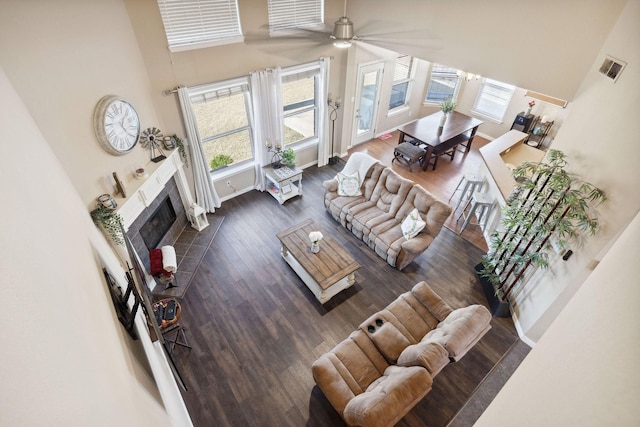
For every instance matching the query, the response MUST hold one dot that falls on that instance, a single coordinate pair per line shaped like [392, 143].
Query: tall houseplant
[548, 204]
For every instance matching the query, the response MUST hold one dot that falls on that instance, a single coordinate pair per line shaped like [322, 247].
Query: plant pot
[499, 307]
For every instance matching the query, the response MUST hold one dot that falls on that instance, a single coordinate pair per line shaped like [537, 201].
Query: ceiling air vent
[612, 67]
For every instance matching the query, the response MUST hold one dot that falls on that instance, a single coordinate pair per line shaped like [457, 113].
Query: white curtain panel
[266, 103]
[206, 195]
[324, 137]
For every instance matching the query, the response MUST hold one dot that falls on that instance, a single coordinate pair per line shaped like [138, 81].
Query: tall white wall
[65, 358]
[600, 140]
[62, 57]
[583, 371]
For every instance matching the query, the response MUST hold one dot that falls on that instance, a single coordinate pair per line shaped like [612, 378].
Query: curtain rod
[168, 92]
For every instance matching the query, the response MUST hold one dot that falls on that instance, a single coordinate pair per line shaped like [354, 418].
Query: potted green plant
[289, 157]
[181, 149]
[448, 105]
[220, 161]
[110, 221]
[548, 205]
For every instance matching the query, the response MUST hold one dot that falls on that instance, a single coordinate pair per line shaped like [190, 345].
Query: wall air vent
[612, 67]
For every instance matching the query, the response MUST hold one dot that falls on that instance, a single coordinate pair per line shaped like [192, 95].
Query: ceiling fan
[343, 36]
[343, 31]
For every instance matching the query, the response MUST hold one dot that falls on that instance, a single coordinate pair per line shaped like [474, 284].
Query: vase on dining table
[443, 119]
[315, 247]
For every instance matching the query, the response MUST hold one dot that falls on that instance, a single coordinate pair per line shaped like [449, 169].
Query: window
[222, 119]
[287, 14]
[402, 76]
[444, 83]
[493, 99]
[191, 24]
[299, 101]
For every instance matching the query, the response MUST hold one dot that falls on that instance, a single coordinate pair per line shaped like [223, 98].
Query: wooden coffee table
[326, 273]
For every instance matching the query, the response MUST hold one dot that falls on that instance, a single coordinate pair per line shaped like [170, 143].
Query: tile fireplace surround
[166, 179]
[170, 190]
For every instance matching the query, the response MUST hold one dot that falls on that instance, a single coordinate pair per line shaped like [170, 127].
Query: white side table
[283, 183]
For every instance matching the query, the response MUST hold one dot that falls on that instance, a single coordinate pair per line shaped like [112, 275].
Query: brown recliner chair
[364, 388]
[374, 377]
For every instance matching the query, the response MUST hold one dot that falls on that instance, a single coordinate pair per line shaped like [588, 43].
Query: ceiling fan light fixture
[342, 44]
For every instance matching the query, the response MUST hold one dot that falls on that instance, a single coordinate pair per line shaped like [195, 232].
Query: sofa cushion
[461, 330]
[390, 398]
[348, 185]
[431, 301]
[412, 224]
[390, 191]
[387, 338]
[389, 242]
[430, 355]
[415, 318]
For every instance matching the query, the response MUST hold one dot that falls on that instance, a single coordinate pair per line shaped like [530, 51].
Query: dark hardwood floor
[256, 329]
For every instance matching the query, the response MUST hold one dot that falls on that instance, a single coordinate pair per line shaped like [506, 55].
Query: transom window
[444, 83]
[223, 123]
[493, 99]
[191, 24]
[289, 14]
[403, 74]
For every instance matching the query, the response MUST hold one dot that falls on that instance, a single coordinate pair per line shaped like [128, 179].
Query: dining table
[458, 129]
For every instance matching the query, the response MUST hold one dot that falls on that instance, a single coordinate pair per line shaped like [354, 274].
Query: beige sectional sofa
[385, 367]
[375, 215]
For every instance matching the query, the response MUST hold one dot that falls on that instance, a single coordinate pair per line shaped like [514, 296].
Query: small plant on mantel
[181, 149]
[548, 204]
[110, 221]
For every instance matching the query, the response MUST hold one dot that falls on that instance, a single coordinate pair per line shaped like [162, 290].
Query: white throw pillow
[412, 224]
[348, 185]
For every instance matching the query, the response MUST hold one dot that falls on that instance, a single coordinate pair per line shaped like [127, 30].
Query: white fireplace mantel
[142, 192]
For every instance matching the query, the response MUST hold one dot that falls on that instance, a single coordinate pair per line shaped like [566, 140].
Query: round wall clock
[116, 124]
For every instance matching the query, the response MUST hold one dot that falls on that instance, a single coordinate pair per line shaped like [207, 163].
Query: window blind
[208, 92]
[198, 23]
[493, 98]
[287, 14]
[402, 71]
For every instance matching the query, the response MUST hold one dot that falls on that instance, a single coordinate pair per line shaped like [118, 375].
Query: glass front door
[367, 95]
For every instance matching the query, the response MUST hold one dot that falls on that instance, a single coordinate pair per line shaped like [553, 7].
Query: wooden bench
[447, 148]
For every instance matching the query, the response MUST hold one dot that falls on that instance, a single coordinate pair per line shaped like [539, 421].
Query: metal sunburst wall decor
[150, 139]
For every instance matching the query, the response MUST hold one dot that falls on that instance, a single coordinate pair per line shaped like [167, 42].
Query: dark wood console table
[439, 139]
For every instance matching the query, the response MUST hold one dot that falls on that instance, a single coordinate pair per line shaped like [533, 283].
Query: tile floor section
[190, 247]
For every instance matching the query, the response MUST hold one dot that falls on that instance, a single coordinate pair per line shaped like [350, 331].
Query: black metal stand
[333, 115]
[177, 331]
[154, 146]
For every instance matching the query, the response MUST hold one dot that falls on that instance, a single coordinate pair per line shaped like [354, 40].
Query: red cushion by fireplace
[155, 261]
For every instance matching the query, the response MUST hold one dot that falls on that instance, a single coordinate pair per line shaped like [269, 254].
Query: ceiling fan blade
[389, 34]
[299, 35]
